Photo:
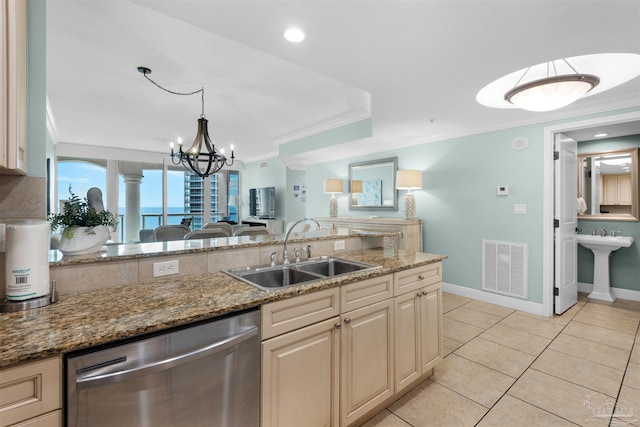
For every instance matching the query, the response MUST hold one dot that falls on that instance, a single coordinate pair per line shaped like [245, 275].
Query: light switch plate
[519, 209]
[502, 190]
[165, 268]
[338, 245]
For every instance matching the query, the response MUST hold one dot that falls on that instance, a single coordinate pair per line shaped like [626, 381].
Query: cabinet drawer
[418, 277]
[287, 315]
[52, 419]
[30, 390]
[365, 292]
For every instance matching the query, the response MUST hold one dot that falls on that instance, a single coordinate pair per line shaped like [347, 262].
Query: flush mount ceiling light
[556, 84]
[294, 35]
[194, 159]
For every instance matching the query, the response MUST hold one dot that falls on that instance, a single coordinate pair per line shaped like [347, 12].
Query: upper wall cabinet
[13, 85]
[608, 185]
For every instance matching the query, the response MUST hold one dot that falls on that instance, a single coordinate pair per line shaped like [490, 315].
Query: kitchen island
[85, 319]
[101, 312]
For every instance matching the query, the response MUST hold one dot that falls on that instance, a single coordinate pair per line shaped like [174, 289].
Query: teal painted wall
[624, 263]
[36, 89]
[295, 201]
[265, 173]
[458, 203]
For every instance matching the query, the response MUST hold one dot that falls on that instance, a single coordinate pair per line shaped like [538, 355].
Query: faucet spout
[286, 236]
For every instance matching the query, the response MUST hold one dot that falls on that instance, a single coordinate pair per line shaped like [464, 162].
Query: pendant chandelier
[552, 92]
[194, 159]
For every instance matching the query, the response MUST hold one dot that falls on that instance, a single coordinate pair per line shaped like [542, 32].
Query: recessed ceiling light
[294, 35]
[600, 135]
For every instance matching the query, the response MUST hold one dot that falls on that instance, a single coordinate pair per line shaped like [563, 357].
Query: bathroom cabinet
[31, 394]
[616, 189]
[13, 87]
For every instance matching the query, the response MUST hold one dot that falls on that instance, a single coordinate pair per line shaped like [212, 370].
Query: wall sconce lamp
[409, 179]
[333, 186]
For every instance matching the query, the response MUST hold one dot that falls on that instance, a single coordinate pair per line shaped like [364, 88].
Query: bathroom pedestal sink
[602, 246]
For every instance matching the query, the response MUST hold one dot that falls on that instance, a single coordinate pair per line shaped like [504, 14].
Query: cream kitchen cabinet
[300, 360]
[418, 323]
[320, 367]
[300, 377]
[366, 370]
[13, 87]
[30, 394]
[336, 356]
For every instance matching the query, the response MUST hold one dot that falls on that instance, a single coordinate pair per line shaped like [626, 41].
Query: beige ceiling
[414, 67]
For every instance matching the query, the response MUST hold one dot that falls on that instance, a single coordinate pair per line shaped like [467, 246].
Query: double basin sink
[270, 278]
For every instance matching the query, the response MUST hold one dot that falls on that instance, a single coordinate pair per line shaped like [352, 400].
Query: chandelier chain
[201, 90]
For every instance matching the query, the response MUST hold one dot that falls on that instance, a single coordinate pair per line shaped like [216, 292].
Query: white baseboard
[503, 300]
[619, 292]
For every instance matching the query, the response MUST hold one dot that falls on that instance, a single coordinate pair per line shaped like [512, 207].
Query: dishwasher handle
[89, 381]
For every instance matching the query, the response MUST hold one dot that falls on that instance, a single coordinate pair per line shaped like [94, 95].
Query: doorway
[549, 268]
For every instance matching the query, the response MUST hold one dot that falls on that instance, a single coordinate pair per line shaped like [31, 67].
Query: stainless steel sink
[282, 276]
[277, 278]
[332, 266]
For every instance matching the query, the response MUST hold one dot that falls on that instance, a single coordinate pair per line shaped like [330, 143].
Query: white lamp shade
[333, 185]
[409, 179]
[356, 186]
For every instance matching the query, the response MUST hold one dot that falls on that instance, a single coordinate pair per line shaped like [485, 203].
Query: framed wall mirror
[608, 185]
[372, 185]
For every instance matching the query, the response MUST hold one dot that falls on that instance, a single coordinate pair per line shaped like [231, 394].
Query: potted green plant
[84, 229]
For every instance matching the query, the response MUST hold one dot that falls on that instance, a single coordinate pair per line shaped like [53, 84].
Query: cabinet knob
[420, 276]
[347, 320]
[419, 294]
[338, 325]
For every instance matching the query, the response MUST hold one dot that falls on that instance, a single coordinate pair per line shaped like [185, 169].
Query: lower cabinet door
[407, 339]
[300, 377]
[367, 359]
[431, 327]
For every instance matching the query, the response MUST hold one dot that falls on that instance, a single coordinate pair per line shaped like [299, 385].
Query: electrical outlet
[165, 268]
[338, 245]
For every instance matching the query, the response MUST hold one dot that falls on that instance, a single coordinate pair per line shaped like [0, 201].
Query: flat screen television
[262, 202]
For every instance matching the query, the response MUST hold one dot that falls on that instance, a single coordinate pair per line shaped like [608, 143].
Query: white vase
[83, 242]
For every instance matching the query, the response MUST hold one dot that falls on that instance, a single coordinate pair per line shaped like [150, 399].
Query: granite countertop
[124, 251]
[86, 319]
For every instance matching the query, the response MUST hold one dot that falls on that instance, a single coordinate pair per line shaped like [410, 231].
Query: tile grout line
[615, 405]
[529, 367]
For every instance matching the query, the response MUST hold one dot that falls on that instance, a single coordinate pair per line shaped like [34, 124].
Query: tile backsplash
[21, 197]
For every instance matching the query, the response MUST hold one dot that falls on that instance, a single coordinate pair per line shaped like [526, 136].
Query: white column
[113, 183]
[132, 214]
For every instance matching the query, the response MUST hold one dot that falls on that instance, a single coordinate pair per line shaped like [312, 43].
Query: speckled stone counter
[86, 319]
[126, 251]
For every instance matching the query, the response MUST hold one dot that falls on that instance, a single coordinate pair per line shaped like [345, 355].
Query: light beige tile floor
[508, 368]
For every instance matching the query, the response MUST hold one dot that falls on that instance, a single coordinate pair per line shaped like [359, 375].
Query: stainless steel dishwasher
[203, 375]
